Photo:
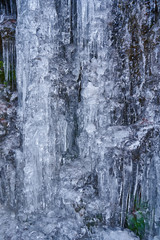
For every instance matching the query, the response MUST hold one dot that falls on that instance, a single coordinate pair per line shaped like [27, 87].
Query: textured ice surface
[88, 85]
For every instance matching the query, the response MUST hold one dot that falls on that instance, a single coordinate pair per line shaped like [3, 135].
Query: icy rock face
[7, 42]
[9, 137]
[119, 109]
[88, 83]
[9, 133]
[9, 142]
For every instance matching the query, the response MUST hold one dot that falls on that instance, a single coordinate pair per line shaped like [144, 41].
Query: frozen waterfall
[80, 147]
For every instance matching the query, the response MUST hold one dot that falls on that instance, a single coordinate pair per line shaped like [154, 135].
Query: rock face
[88, 85]
[9, 137]
[8, 144]
[7, 43]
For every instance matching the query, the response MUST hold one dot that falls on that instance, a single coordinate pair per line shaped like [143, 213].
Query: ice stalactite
[88, 85]
[7, 36]
[8, 7]
[9, 61]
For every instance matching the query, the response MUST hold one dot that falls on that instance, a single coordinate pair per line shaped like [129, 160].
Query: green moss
[136, 223]
[137, 220]
[1, 64]
[11, 76]
[2, 76]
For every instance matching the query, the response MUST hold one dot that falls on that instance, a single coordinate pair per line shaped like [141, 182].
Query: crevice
[79, 84]
[73, 21]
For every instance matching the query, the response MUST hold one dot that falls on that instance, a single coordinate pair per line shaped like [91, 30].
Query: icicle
[9, 59]
[7, 32]
[11, 7]
[5, 60]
